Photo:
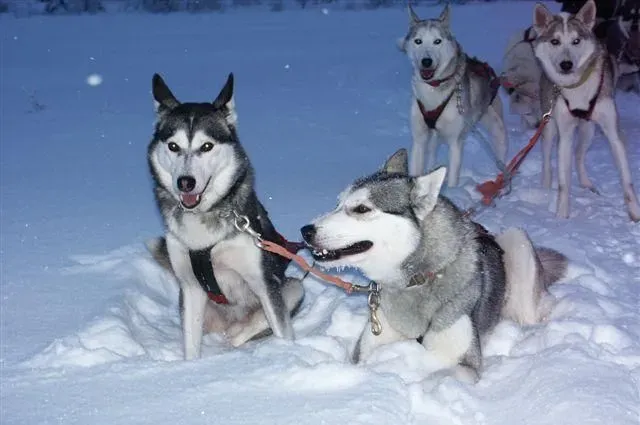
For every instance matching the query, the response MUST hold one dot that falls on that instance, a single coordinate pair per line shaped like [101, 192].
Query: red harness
[474, 65]
[203, 268]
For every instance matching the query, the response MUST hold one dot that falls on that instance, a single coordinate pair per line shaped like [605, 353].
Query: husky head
[565, 44]
[429, 44]
[376, 224]
[194, 155]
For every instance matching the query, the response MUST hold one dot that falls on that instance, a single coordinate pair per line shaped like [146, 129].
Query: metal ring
[244, 226]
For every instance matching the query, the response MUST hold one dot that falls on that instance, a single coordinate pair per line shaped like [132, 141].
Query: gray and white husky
[578, 82]
[451, 94]
[204, 186]
[444, 279]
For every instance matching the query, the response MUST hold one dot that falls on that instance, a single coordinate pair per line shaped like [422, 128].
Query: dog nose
[186, 183]
[308, 232]
[426, 62]
[566, 66]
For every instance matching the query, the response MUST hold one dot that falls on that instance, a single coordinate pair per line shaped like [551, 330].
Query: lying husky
[444, 279]
[578, 81]
[204, 186]
[451, 94]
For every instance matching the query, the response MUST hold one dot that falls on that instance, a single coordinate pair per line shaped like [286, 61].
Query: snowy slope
[89, 325]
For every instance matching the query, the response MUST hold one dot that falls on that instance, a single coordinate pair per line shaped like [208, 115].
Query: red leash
[492, 188]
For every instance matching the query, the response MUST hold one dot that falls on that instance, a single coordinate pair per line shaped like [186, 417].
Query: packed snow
[90, 329]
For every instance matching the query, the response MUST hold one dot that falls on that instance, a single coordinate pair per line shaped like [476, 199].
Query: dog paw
[594, 190]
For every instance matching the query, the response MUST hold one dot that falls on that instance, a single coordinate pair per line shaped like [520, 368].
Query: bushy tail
[529, 272]
[158, 249]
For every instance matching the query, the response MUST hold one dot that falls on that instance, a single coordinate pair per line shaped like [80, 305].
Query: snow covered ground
[89, 324]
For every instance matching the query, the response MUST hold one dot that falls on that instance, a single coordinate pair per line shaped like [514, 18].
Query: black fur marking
[492, 276]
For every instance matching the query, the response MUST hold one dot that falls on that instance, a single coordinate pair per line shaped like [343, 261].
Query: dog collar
[585, 76]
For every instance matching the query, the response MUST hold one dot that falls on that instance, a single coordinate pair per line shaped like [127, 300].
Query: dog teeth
[325, 252]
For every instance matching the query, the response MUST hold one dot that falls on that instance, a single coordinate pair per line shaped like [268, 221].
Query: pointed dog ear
[444, 16]
[397, 163]
[413, 16]
[426, 190]
[163, 98]
[541, 17]
[587, 14]
[225, 102]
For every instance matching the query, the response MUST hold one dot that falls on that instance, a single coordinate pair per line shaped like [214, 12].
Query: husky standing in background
[578, 81]
[624, 43]
[204, 184]
[522, 73]
[443, 278]
[451, 93]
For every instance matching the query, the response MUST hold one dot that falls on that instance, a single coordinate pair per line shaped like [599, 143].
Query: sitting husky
[578, 82]
[451, 94]
[443, 278]
[204, 184]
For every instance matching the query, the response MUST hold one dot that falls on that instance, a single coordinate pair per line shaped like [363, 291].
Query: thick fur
[202, 178]
[569, 39]
[435, 55]
[444, 279]
[523, 73]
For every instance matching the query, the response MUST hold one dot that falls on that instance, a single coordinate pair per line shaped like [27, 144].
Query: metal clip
[374, 302]
[242, 223]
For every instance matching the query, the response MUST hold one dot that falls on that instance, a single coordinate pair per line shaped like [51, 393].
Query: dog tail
[158, 249]
[529, 272]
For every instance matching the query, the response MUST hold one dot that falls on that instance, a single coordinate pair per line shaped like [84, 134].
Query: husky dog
[204, 188]
[443, 278]
[624, 43]
[522, 74]
[451, 93]
[578, 81]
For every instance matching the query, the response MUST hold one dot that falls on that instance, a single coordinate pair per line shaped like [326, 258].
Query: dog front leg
[548, 136]
[493, 121]
[586, 131]
[421, 137]
[607, 118]
[193, 298]
[455, 161]
[566, 128]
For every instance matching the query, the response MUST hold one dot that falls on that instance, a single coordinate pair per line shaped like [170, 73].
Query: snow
[89, 324]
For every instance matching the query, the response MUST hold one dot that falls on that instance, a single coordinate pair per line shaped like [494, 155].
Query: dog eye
[418, 41]
[173, 147]
[437, 41]
[206, 147]
[361, 209]
[576, 41]
[555, 42]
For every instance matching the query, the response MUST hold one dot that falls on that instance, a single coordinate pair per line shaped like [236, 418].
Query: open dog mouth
[427, 73]
[190, 200]
[336, 254]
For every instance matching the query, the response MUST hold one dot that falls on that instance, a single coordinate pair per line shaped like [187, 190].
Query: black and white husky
[204, 188]
[443, 278]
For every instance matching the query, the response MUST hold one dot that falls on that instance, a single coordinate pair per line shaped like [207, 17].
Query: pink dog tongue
[189, 200]
[427, 73]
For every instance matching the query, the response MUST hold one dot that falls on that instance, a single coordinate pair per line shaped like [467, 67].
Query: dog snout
[426, 62]
[308, 232]
[566, 66]
[186, 183]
